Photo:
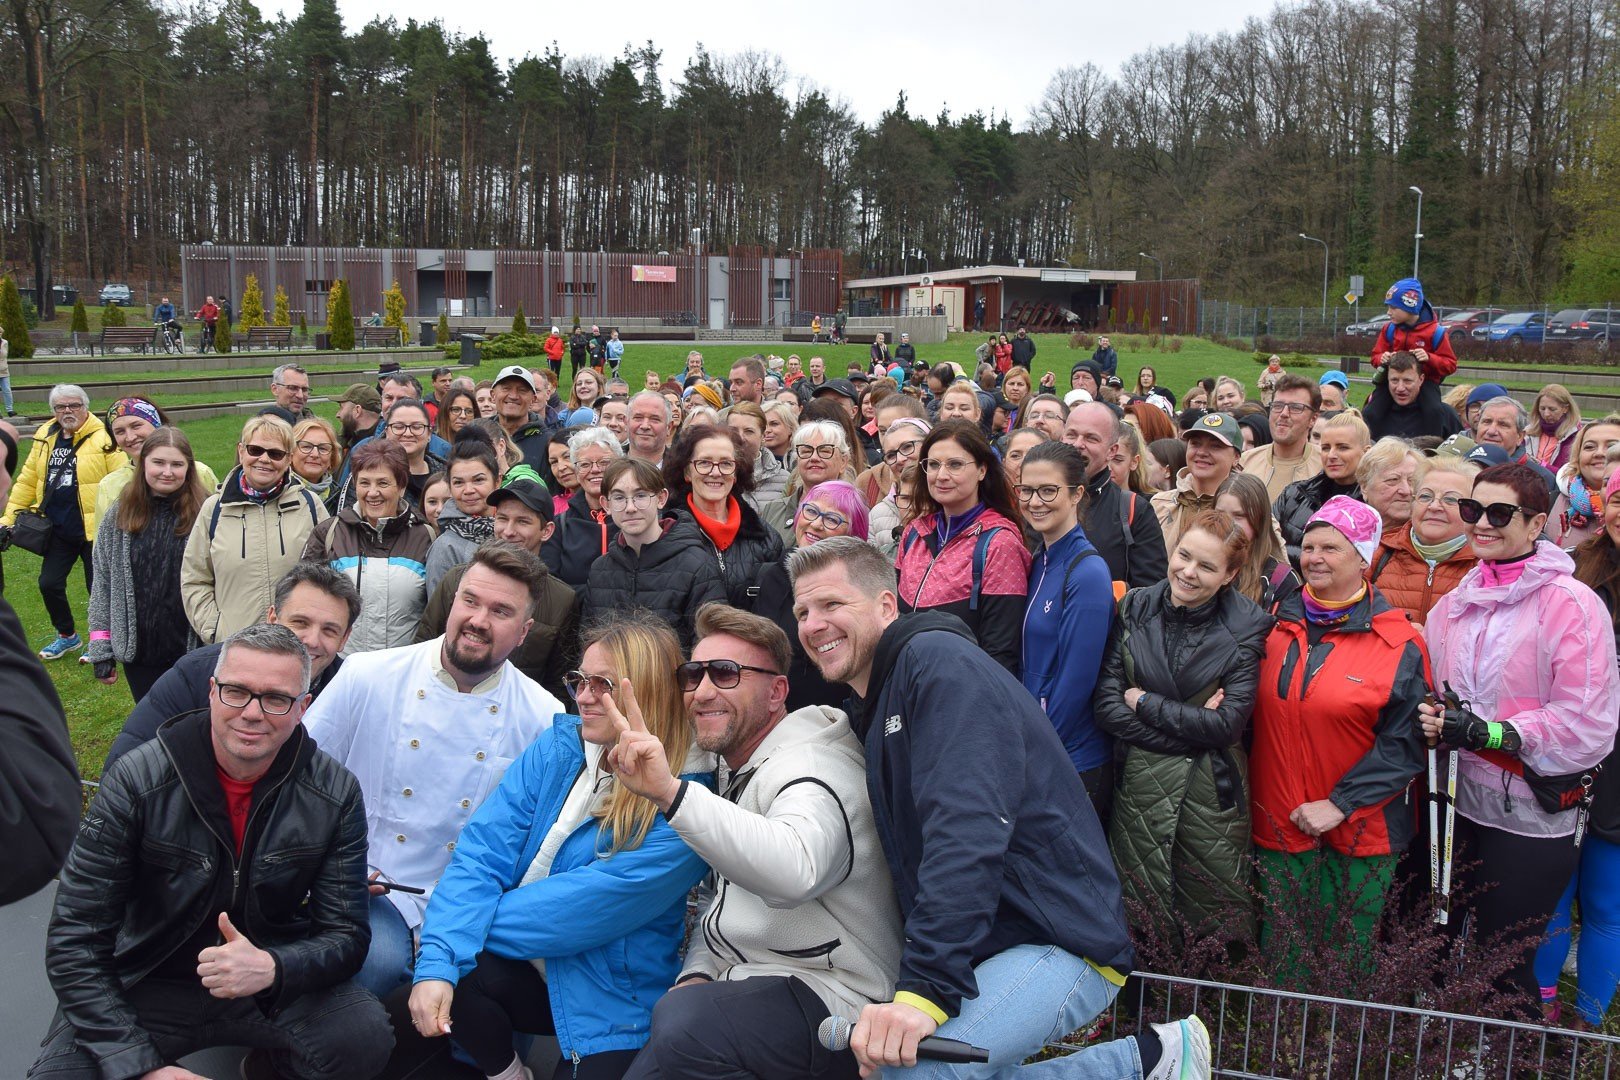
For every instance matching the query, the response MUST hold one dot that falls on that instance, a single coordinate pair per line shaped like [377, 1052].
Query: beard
[476, 659]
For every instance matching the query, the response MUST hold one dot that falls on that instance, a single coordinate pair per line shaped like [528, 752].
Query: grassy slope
[95, 712]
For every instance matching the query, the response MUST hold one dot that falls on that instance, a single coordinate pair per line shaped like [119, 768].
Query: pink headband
[911, 422]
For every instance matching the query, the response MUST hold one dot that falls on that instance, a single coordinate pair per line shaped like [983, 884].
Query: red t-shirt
[238, 799]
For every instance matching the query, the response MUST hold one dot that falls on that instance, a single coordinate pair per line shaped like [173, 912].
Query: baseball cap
[1334, 378]
[1075, 397]
[1221, 425]
[1484, 392]
[515, 371]
[1487, 454]
[530, 494]
[363, 395]
[1114, 382]
[859, 376]
[842, 387]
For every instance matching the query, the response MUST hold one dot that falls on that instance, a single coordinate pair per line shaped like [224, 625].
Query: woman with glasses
[831, 509]
[467, 521]
[1265, 577]
[660, 562]
[901, 442]
[407, 424]
[821, 452]
[381, 544]
[71, 455]
[585, 530]
[317, 456]
[562, 911]
[1529, 653]
[964, 552]
[1176, 692]
[1578, 512]
[1420, 561]
[248, 534]
[1344, 440]
[710, 474]
[459, 408]
[1071, 607]
[136, 618]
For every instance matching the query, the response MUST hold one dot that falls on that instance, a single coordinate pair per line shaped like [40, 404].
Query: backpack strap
[1127, 520]
[1439, 335]
[213, 520]
[981, 552]
[1089, 552]
[1378, 565]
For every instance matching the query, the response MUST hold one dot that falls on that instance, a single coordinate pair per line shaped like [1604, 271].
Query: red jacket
[554, 348]
[1003, 355]
[1339, 722]
[1442, 361]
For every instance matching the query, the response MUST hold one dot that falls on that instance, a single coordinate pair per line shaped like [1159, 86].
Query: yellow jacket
[97, 456]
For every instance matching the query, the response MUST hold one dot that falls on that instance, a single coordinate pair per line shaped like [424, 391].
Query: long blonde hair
[647, 652]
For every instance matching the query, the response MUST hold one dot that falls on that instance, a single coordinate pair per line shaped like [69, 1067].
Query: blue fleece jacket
[1065, 637]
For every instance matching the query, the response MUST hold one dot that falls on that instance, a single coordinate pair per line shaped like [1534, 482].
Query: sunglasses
[724, 674]
[270, 452]
[1498, 514]
[575, 681]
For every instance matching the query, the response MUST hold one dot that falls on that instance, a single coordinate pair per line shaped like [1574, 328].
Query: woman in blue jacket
[563, 908]
[1071, 605]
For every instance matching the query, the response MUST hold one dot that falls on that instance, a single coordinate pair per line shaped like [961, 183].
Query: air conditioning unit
[927, 280]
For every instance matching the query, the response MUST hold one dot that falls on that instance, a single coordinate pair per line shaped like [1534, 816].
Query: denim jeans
[1028, 996]
[393, 951]
[5, 389]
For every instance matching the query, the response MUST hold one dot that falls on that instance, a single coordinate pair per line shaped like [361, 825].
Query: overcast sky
[993, 57]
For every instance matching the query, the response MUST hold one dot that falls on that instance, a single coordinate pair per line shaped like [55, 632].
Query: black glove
[1462, 728]
[105, 668]
[5, 537]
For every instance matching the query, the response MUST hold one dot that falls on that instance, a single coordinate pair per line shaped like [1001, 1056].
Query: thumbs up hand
[236, 969]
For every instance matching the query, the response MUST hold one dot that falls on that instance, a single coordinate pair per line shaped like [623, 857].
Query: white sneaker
[1186, 1051]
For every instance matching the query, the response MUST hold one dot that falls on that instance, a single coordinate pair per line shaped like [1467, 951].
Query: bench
[470, 331]
[378, 337]
[268, 337]
[142, 338]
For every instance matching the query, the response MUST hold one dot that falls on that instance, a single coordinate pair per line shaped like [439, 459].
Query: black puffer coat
[672, 577]
[1180, 828]
[582, 536]
[755, 547]
[1299, 501]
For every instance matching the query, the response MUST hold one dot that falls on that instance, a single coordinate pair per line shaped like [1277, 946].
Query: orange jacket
[1407, 581]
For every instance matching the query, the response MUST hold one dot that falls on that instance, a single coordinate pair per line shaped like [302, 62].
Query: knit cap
[1406, 294]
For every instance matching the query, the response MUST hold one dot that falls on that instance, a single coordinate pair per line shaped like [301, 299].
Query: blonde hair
[1457, 397]
[334, 460]
[645, 651]
[1572, 412]
[1352, 420]
[275, 425]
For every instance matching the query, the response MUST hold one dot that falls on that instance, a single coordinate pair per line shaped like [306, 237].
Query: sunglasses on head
[725, 674]
[1498, 514]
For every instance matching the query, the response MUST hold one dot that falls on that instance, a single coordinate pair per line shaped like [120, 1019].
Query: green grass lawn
[96, 712]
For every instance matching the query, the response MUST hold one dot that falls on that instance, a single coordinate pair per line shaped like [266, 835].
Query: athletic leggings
[1524, 876]
[1597, 884]
[502, 997]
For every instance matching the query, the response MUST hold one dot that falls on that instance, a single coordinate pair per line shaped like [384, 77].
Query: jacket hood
[1547, 564]
[899, 634]
[680, 532]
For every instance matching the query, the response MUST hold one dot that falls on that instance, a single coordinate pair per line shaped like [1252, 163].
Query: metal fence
[1261, 1034]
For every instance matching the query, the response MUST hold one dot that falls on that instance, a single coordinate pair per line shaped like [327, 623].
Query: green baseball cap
[1221, 425]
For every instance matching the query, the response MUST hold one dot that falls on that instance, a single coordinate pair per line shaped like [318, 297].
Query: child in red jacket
[1413, 326]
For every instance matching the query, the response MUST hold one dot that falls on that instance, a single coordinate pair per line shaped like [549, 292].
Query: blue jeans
[1028, 996]
[5, 389]
[1597, 883]
[393, 951]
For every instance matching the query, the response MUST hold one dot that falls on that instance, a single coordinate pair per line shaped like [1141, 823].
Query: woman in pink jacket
[1530, 653]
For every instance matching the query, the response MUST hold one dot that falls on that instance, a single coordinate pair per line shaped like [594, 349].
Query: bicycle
[171, 335]
[207, 344]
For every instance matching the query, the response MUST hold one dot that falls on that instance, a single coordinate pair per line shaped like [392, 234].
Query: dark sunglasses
[725, 674]
[270, 452]
[1498, 514]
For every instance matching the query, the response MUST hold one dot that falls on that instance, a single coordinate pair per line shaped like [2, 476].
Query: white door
[717, 314]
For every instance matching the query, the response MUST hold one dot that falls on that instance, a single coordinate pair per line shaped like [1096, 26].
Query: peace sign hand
[638, 759]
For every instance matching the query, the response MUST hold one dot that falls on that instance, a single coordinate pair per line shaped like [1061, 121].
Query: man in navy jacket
[1014, 928]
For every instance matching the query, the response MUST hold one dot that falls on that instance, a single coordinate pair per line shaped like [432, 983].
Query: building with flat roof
[1042, 298]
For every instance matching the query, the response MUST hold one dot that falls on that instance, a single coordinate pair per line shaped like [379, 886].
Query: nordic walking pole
[1443, 912]
[1434, 819]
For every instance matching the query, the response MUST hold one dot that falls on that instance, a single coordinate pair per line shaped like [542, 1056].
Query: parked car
[1466, 320]
[1369, 328]
[1514, 329]
[1584, 324]
[120, 295]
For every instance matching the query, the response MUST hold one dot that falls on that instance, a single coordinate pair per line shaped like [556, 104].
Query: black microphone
[834, 1034]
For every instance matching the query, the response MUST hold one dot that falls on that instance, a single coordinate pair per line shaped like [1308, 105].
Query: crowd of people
[926, 689]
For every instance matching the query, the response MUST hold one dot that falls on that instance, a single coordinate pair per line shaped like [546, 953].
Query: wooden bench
[268, 337]
[378, 337]
[133, 338]
[478, 331]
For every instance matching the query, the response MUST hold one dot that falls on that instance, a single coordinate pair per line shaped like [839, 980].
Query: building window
[781, 288]
[318, 285]
[576, 288]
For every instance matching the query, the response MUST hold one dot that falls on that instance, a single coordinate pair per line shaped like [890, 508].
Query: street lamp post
[1417, 230]
[1156, 262]
[1314, 240]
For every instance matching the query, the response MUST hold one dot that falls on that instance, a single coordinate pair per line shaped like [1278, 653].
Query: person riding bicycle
[164, 313]
[208, 315]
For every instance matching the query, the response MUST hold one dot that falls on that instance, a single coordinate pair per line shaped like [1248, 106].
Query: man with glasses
[71, 454]
[289, 385]
[428, 730]
[1291, 455]
[216, 893]
[804, 923]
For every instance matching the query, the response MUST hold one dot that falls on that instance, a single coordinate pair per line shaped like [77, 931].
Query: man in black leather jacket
[216, 894]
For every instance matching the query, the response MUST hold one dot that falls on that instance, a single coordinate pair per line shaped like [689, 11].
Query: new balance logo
[1047, 610]
[892, 726]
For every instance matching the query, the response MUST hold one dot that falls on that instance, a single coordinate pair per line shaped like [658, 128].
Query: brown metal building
[746, 287]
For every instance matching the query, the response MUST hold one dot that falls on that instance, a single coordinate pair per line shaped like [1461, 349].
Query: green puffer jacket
[1180, 828]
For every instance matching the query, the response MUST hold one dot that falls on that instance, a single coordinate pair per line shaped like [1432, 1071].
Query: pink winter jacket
[1539, 654]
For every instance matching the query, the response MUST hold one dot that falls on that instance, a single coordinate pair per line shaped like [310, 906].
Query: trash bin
[469, 349]
[430, 333]
[1349, 364]
[323, 341]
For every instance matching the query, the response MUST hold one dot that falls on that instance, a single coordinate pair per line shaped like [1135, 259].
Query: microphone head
[834, 1033]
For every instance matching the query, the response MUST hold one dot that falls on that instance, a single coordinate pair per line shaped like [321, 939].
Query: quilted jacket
[1180, 828]
[672, 577]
